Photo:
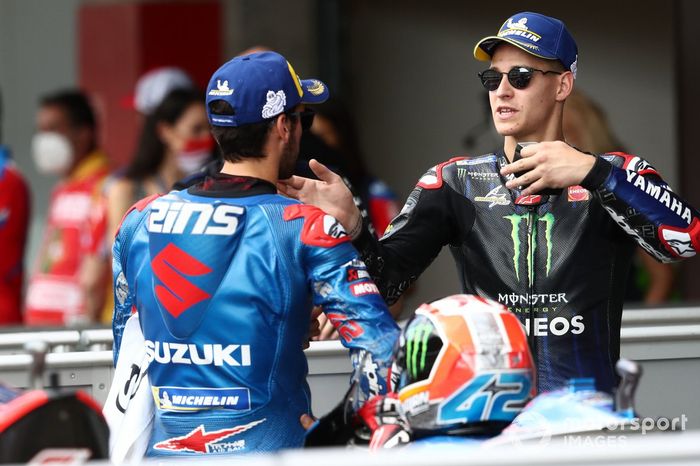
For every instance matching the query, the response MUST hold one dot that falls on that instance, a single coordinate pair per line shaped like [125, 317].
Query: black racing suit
[558, 261]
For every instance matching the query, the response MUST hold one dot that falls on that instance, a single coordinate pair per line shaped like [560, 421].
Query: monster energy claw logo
[516, 221]
[417, 347]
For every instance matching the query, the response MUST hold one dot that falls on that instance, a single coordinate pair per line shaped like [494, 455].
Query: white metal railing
[665, 341]
[676, 449]
[660, 316]
[637, 325]
[58, 340]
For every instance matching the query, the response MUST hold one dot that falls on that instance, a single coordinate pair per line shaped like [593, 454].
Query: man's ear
[283, 127]
[566, 85]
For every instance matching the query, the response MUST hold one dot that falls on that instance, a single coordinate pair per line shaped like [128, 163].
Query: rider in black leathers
[558, 261]
[548, 232]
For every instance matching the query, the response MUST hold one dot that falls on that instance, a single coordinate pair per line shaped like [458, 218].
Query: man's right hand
[329, 193]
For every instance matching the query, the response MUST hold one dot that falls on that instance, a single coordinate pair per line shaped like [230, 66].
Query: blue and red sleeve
[352, 302]
[641, 202]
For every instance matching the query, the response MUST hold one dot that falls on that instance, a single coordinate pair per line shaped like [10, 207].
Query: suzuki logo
[176, 293]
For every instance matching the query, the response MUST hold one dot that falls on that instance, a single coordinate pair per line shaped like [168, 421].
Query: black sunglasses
[519, 77]
[306, 117]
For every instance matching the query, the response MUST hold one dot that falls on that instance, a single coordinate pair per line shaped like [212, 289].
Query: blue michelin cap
[536, 34]
[260, 86]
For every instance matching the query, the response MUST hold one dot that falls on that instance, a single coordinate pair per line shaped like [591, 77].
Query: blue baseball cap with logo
[536, 34]
[260, 86]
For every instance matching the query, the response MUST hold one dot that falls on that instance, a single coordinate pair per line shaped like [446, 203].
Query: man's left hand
[548, 165]
[306, 421]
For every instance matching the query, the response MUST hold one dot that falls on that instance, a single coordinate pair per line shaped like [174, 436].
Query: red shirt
[14, 215]
[74, 229]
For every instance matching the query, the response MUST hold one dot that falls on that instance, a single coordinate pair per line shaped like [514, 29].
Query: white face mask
[52, 153]
[195, 153]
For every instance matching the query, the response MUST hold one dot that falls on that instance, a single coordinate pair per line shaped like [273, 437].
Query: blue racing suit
[223, 276]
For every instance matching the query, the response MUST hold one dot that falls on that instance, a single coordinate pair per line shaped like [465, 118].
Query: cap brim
[315, 92]
[483, 50]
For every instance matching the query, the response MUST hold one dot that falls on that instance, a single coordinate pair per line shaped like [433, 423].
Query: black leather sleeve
[431, 218]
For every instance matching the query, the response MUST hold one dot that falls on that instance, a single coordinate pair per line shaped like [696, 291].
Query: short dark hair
[559, 66]
[241, 142]
[76, 105]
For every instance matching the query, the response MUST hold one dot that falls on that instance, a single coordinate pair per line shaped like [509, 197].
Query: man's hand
[306, 421]
[314, 326]
[548, 165]
[329, 193]
[327, 330]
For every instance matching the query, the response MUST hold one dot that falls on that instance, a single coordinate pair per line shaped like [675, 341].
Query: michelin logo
[193, 399]
[222, 89]
[521, 24]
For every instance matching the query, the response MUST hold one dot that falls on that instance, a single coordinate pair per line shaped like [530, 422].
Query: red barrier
[119, 42]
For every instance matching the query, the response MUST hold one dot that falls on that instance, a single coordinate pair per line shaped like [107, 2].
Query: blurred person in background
[335, 127]
[14, 217]
[69, 280]
[129, 184]
[175, 140]
[153, 86]
[333, 141]
[586, 127]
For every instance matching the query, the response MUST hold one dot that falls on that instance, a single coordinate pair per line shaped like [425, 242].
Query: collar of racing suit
[225, 185]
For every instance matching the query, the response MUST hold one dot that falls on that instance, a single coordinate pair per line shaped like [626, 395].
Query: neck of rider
[552, 131]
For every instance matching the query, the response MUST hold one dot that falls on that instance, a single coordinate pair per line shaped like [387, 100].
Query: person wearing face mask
[175, 141]
[70, 277]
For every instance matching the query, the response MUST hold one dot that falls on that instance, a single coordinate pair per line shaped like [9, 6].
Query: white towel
[129, 408]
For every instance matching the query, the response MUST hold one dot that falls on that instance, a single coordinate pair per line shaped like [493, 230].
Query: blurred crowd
[69, 282]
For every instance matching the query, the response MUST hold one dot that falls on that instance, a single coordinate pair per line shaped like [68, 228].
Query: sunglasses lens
[490, 79]
[519, 78]
[307, 119]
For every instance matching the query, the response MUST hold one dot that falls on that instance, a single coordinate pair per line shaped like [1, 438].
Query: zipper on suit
[531, 249]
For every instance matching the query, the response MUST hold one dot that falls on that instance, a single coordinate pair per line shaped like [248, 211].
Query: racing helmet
[462, 366]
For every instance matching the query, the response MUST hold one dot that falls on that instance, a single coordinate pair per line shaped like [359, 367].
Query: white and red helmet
[463, 365]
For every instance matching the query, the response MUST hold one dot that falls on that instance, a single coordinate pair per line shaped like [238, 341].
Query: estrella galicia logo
[528, 248]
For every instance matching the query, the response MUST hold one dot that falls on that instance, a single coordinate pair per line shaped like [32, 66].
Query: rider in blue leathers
[224, 275]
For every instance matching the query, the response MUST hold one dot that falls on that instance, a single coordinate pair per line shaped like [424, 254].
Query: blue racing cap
[260, 86]
[536, 34]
